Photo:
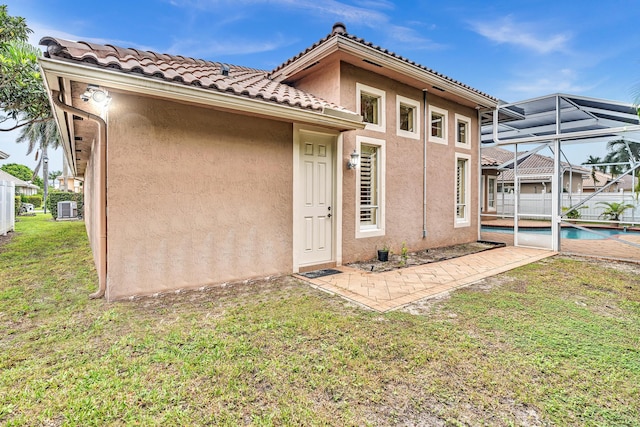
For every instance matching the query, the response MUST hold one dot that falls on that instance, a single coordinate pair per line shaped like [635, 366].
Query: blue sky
[514, 50]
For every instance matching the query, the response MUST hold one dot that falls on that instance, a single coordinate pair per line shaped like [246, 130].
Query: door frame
[336, 203]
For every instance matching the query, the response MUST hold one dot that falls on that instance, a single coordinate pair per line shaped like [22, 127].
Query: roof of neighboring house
[340, 31]
[533, 164]
[489, 161]
[626, 182]
[4, 176]
[216, 76]
[3, 155]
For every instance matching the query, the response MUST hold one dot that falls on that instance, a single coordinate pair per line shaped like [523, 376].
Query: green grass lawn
[553, 343]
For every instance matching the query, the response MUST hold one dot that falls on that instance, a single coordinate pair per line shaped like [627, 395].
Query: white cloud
[507, 31]
[368, 13]
[199, 48]
[543, 82]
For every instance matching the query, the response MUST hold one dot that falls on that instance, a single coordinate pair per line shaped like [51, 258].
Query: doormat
[320, 273]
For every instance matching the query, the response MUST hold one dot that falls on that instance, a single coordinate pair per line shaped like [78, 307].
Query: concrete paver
[391, 290]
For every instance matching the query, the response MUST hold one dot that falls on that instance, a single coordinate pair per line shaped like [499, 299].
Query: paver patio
[612, 248]
[391, 290]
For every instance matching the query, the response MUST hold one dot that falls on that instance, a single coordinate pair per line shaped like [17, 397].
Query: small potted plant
[383, 254]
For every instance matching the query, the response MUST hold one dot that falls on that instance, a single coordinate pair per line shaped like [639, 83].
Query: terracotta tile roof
[339, 30]
[489, 161]
[237, 80]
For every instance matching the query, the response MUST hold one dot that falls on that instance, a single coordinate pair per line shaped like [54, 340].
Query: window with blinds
[461, 189]
[369, 186]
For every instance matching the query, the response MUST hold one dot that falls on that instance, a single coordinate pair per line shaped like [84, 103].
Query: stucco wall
[195, 197]
[404, 175]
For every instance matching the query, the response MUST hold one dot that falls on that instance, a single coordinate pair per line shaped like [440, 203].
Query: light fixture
[354, 160]
[45, 159]
[97, 95]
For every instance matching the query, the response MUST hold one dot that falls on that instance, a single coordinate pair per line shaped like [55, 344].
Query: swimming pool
[565, 232]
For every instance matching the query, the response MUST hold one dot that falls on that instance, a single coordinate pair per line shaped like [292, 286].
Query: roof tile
[241, 81]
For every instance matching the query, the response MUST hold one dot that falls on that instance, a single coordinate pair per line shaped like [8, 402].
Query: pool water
[566, 232]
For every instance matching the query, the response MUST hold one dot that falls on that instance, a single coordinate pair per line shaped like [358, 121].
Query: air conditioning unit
[67, 209]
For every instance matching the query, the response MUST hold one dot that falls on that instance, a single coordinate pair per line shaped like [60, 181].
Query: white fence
[7, 207]
[540, 204]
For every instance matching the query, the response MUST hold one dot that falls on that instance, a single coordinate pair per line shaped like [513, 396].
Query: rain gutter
[102, 186]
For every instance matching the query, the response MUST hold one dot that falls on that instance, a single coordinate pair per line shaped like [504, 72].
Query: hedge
[61, 196]
[17, 205]
[35, 200]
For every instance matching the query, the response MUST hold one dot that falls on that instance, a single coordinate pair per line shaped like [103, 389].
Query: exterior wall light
[354, 160]
[97, 95]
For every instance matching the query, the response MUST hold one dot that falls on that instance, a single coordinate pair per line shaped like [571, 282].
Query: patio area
[611, 248]
[391, 290]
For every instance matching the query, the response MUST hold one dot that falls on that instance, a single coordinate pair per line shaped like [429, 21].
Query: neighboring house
[22, 187]
[625, 183]
[74, 184]
[534, 170]
[244, 173]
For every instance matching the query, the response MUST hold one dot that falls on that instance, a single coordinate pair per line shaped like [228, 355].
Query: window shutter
[368, 185]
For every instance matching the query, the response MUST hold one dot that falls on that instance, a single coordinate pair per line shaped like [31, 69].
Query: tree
[54, 175]
[41, 135]
[614, 210]
[23, 97]
[621, 151]
[594, 160]
[21, 172]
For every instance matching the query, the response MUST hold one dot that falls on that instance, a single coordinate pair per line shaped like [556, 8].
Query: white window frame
[445, 124]
[467, 143]
[379, 228]
[362, 88]
[466, 221]
[415, 133]
[492, 187]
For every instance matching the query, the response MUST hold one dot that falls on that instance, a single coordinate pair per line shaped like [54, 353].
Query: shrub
[35, 200]
[61, 196]
[17, 204]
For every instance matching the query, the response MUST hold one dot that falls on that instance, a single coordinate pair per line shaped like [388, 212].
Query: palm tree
[621, 151]
[41, 135]
[594, 160]
[614, 210]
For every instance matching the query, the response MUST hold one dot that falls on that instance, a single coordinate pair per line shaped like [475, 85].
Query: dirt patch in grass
[5, 239]
[397, 260]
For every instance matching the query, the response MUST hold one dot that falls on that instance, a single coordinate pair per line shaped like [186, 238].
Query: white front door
[316, 185]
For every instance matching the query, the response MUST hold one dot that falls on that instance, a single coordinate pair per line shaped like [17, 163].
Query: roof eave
[383, 59]
[328, 117]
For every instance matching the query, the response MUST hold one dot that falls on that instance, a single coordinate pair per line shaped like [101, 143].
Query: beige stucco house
[243, 173]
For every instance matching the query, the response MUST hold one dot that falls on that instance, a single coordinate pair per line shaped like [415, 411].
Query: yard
[553, 343]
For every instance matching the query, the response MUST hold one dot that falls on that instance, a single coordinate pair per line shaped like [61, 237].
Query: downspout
[482, 197]
[424, 164]
[102, 185]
